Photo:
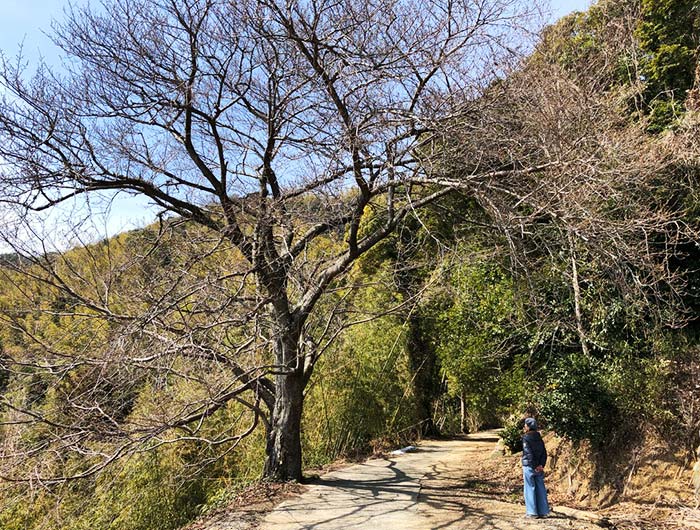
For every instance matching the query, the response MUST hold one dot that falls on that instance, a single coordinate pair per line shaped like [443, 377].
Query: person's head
[530, 424]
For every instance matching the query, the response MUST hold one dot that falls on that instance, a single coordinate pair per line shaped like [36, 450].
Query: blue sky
[24, 20]
[564, 7]
[27, 22]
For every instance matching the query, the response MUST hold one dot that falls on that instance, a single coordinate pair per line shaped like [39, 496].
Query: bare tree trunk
[577, 299]
[283, 451]
[283, 461]
[462, 414]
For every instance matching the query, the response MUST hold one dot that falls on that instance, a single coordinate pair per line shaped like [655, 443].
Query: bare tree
[572, 181]
[268, 125]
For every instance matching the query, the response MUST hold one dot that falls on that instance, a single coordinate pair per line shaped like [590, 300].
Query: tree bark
[283, 460]
[577, 300]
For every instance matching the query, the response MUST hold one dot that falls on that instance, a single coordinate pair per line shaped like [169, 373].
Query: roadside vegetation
[533, 249]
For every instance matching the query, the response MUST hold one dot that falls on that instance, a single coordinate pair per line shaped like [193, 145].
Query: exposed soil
[648, 490]
[249, 507]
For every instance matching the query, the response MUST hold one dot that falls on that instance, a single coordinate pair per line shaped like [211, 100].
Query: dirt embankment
[647, 487]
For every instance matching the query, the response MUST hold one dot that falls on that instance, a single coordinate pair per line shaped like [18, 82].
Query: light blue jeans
[535, 492]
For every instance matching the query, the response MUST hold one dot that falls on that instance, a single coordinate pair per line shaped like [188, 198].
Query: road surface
[437, 487]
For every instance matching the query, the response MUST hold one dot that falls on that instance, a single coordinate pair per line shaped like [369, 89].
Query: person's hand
[539, 469]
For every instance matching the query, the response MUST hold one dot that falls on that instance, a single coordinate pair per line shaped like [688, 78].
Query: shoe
[531, 516]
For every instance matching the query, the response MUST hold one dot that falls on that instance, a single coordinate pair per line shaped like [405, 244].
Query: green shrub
[511, 434]
[577, 402]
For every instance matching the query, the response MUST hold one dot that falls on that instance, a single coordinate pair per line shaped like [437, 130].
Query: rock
[404, 450]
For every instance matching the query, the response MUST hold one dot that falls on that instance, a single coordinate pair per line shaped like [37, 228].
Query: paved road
[431, 489]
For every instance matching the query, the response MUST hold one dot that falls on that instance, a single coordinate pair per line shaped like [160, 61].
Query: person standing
[534, 460]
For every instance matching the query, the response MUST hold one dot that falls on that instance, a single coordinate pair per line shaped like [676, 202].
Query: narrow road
[437, 487]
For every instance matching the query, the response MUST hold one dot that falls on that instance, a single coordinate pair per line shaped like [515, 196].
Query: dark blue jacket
[534, 452]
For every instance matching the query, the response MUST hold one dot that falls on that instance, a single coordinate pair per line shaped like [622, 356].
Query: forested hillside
[380, 222]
